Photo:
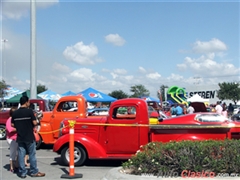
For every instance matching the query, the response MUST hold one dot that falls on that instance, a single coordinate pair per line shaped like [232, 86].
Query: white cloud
[120, 71]
[15, 9]
[182, 67]
[105, 70]
[207, 67]
[115, 39]
[214, 45]
[129, 77]
[155, 75]
[114, 75]
[211, 55]
[61, 68]
[82, 54]
[142, 70]
[175, 77]
[83, 74]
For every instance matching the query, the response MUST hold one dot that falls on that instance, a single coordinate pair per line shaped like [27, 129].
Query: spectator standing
[230, 109]
[190, 109]
[173, 111]
[11, 139]
[218, 107]
[24, 121]
[224, 110]
[184, 107]
[179, 110]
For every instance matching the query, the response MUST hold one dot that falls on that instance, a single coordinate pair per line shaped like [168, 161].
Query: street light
[3, 69]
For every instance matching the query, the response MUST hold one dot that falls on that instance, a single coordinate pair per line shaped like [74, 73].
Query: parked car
[236, 109]
[236, 117]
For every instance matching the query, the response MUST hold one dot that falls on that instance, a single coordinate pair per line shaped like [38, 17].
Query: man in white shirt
[190, 109]
[218, 108]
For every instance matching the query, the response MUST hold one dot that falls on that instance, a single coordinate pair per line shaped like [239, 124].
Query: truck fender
[93, 148]
[46, 132]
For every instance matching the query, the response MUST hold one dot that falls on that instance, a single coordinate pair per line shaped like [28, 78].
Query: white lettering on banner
[204, 94]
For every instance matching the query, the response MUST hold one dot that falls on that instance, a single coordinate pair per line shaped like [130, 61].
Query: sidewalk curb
[115, 174]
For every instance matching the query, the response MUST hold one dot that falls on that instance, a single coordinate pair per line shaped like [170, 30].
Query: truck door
[65, 109]
[122, 130]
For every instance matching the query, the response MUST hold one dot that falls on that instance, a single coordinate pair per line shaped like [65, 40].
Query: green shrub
[195, 156]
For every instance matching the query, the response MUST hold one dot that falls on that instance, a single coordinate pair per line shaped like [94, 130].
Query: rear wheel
[2, 132]
[80, 155]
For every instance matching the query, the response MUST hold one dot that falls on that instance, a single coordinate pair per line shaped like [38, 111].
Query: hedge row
[195, 156]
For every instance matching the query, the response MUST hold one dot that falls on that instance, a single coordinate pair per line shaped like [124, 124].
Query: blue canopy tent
[92, 95]
[68, 93]
[9, 92]
[50, 95]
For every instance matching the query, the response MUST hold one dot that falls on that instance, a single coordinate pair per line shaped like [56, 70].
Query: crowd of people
[181, 109]
[223, 109]
[220, 108]
[20, 129]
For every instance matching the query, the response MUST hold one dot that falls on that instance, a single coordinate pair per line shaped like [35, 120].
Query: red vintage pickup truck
[38, 104]
[119, 136]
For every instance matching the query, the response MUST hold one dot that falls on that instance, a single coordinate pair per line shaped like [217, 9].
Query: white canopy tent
[197, 98]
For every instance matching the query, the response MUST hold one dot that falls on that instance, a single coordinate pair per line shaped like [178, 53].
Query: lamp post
[33, 89]
[3, 69]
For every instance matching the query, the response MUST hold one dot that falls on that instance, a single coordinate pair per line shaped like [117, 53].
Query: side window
[34, 106]
[126, 112]
[67, 106]
[60, 107]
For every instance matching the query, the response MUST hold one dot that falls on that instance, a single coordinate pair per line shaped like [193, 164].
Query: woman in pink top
[11, 139]
[224, 110]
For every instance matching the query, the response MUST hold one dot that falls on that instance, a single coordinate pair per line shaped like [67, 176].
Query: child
[11, 139]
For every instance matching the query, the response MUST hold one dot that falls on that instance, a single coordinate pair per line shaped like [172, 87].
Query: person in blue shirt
[179, 110]
[173, 110]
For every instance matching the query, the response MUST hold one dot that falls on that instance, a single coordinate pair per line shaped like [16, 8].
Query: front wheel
[80, 155]
[39, 143]
[2, 132]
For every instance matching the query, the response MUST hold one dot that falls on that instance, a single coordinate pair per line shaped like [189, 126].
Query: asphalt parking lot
[50, 163]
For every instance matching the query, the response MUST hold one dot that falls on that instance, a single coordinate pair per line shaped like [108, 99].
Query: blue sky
[113, 45]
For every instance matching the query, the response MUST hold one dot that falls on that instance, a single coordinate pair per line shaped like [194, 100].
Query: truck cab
[71, 107]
